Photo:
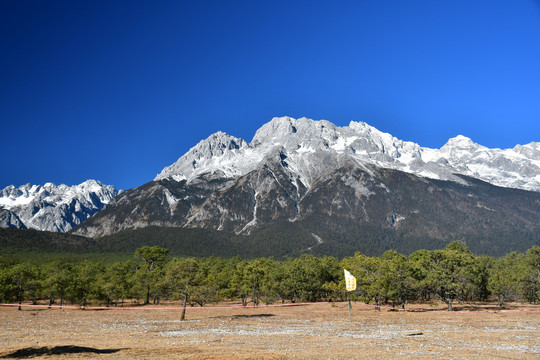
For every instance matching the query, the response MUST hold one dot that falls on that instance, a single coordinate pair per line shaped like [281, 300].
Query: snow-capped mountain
[310, 186]
[312, 148]
[50, 207]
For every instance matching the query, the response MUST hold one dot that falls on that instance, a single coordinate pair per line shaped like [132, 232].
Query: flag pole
[349, 301]
[350, 285]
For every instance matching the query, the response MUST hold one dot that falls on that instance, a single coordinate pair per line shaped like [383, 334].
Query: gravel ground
[319, 331]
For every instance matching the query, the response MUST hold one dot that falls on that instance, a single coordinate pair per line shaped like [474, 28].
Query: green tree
[86, 285]
[419, 262]
[308, 278]
[152, 256]
[210, 281]
[371, 284]
[479, 272]
[21, 281]
[504, 277]
[332, 273]
[254, 275]
[220, 273]
[532, 274]
[238, 285]
[153, 259]
[447, 274]
[118, 281]
[181, 277]
[397, 278]
[58, 276]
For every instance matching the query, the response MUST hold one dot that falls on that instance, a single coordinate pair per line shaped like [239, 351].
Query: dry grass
[320, 331]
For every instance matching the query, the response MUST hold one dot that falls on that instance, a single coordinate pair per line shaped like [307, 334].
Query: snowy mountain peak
[217, 144]
[216, 149]
[277, 128]
[285, 130]
[51, 207]
[313, 148]
[362, 127]
[460, 141]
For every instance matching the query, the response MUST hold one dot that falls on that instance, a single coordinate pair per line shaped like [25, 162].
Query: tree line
[447, 275]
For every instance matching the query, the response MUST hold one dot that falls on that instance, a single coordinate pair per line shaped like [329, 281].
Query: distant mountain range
[310, 186]
[51, 207]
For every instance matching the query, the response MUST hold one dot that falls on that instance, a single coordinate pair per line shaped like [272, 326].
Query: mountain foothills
[310, 186]
[50, 207]
[305, 186]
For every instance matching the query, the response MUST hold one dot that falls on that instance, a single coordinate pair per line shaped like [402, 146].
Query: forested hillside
[281, 240]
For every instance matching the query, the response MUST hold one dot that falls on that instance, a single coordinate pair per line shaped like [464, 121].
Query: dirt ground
[317, 331]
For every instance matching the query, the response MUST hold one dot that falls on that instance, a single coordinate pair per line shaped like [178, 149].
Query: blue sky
[117, 90]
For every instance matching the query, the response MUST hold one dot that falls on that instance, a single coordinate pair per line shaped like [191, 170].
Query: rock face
[50, 207]
[346, 187]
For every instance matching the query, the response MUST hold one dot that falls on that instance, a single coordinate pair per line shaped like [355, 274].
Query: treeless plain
[303, 331]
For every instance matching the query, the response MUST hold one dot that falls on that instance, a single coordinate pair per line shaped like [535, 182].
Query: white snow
[55, 205]
[314, 148]
[10, 202]
[253, 221]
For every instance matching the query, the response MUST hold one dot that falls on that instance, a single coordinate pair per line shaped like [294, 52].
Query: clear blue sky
[117, 90]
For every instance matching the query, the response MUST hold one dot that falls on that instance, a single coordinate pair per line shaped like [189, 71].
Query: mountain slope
[350, 211]
[50, 207]
[354, 208]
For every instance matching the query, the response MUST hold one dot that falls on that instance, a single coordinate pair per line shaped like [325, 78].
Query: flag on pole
[350, 281]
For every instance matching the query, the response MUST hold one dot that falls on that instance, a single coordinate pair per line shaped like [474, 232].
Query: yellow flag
[350, 281]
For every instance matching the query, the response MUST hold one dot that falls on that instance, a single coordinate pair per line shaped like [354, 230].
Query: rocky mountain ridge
[304, 142]
[51, 207]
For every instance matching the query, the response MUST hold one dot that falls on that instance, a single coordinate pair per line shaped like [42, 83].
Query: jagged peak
[55, 208]
[291, 132]
[216, 144]
[361, 126]
[275, 129]
[27, 188]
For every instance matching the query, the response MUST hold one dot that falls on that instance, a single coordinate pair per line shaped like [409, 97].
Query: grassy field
[313, 331]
